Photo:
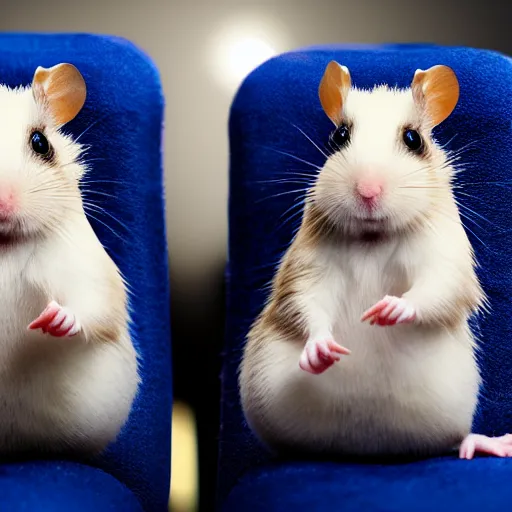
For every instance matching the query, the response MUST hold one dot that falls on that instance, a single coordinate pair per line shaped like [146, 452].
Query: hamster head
[386, 173]
[39, 169]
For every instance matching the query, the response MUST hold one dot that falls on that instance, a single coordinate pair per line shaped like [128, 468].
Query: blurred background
[204, 48]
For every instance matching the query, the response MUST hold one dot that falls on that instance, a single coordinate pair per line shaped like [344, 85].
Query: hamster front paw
[319, 354]
[390, 311]
[57, 321]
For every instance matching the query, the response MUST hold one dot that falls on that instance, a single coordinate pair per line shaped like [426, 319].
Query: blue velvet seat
[274, 105]
[122, 123]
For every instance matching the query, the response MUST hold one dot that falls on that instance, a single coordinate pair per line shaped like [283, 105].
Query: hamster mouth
[9, 239]
[11, 233]
[372, 226]
[373, 221]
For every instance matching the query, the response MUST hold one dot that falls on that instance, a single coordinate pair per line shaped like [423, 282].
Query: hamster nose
[7, 203]
[369, 190]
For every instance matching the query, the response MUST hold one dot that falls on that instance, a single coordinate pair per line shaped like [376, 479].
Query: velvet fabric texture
[274, 112]
[122, 123]
[443, 485]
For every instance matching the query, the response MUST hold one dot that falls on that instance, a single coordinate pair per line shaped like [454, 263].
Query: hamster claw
[390, 311]
[320, 354]
[477, 443]
[57, 321]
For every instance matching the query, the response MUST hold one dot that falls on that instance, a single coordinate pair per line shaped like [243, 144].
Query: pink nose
[369, 190]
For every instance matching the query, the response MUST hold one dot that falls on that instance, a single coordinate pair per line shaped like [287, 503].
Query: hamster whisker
[420, 186]
[89, 214]
[476, 198]
[416, 171]
[464, 225]
[297, 181]
[88, 182]
[43, 188]
[501, 183]
[98, 193]
[310, 140]
[460, 151]
[289, 219]
[99, 209]
[296, 191]
[298, 203]
[82, 162]
[82, 147]
[462, 214]
[311, 174]
[284, 153]
[53, 225]
[449, 141]
[94, 123]
[465, 207]
[298, 174]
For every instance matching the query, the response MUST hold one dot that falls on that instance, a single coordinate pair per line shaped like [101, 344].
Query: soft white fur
[403, 388]
[55, 393]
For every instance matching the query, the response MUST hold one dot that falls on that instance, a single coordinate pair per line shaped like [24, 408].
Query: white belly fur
[61, 393]
[57, 394]
[394, 393]
[401, 390]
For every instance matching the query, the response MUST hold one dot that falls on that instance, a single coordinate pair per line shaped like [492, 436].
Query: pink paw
[476, 443]
[390, 311]
[320, 354]
[57, 321]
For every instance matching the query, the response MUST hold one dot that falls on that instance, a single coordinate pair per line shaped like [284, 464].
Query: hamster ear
[436, 92]
[333, 90]
[62, 88]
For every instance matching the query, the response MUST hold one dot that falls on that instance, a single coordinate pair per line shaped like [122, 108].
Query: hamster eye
[40, 144]
[341, 136]
[413, 140]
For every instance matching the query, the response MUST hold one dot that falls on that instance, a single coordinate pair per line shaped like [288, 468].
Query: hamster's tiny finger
[58, 319]
[335, 347]
[393, 305]
[323, 349]
[397, 312]
[313, 355]
[44, 319]
[374, 310]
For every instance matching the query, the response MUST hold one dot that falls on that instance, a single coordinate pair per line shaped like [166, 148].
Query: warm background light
[242, 44]
[184, 473]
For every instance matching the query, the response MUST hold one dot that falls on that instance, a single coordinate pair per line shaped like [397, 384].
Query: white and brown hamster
[68, 369]
[364, 346]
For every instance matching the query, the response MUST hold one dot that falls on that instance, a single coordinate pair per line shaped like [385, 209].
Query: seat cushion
[441, 485]
[62, 487]
[275, 111]
[121, 122]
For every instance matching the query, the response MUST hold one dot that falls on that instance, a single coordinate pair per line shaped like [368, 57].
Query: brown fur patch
[110, 328]
[282, 313]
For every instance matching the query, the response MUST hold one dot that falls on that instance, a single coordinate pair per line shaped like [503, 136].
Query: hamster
[363, 347]
[68, 369]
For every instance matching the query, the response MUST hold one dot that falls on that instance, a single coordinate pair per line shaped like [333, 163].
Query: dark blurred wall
[181, 37]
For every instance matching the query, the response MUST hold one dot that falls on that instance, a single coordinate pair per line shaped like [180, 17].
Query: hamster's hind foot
[390, 311]
[477, 443]
[57, 321]
[320, 354]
